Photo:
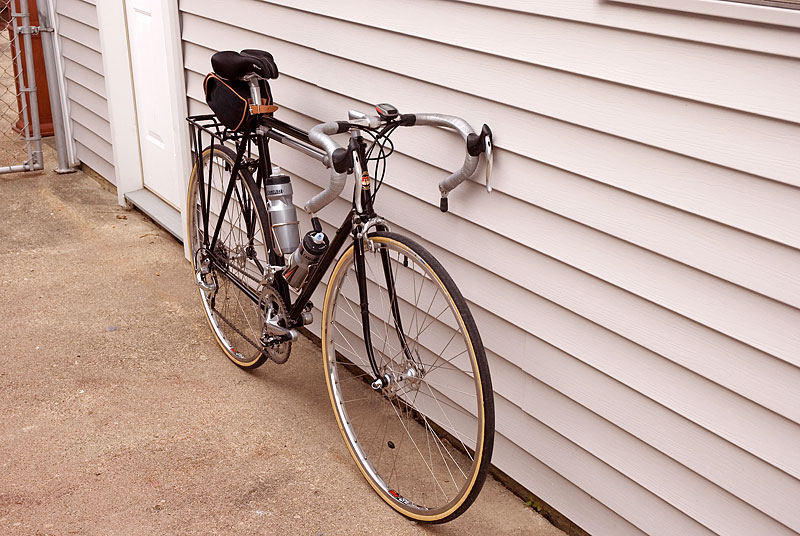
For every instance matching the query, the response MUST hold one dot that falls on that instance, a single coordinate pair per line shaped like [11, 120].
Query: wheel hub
[391, 381]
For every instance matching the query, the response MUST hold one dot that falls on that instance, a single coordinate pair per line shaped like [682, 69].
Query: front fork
[381, 379]
[363, 206]
[361, 277]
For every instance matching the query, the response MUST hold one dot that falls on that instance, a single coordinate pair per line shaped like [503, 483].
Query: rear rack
[271, 127]
[209, 124]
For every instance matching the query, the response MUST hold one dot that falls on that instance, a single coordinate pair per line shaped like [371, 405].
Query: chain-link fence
[20, 139]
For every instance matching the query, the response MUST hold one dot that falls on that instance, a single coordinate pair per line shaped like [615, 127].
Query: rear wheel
[423, 439]
[229, 276]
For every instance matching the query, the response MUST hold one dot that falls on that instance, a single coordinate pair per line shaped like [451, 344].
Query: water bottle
[282, 214]
[315, 243]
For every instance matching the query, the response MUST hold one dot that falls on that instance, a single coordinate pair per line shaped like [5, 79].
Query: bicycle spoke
[234, 259]
[408, 433]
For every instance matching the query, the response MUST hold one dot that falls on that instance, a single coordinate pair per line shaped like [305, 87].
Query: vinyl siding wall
[86, 88]
[636, 273]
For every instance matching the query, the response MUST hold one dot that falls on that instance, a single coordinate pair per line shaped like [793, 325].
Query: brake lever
[489, 148]
[482, 143]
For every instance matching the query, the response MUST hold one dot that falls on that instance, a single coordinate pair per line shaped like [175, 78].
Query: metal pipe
[14, 169]
[286, 128]
[72, 156]
[297, 145]
[48, 40]
[36, 132]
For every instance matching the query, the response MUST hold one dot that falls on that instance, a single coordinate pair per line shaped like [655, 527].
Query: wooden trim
[731, 9]
[176, 85]
[158, 210]
[118, 75]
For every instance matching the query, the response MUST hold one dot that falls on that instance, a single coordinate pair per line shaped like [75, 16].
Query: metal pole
[48, 40]
[36, 135]
[62, 88]
[33, 133]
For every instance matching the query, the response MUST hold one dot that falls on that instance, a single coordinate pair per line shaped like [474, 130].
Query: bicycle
[404, 364]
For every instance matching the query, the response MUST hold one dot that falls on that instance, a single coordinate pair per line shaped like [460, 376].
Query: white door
[159, 124]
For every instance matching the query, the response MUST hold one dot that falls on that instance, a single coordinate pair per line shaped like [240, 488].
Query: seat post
[255, 89]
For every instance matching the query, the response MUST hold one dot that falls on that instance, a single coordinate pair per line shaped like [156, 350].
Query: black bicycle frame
[284, 133]
[261, 130]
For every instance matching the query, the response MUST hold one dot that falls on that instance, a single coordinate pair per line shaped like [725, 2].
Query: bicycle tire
[234, 318]
[434, 404]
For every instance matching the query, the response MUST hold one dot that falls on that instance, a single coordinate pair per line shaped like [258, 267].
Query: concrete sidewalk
[120, 415]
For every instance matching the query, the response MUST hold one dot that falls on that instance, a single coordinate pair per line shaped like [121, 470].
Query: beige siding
[636, 273]
[86, 90]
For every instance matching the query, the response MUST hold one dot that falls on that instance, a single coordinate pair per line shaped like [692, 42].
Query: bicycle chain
[237, 330]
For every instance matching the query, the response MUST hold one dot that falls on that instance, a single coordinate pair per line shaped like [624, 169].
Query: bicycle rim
[232, 313]
[424, 442]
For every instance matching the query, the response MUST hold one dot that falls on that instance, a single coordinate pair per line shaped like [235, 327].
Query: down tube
[322, 267]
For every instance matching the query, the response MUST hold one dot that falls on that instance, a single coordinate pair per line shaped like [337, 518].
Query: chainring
[273, 308]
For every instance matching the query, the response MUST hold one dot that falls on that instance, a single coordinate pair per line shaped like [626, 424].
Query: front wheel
[422, 438]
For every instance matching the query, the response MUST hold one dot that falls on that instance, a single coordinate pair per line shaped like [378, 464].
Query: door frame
[118, 71]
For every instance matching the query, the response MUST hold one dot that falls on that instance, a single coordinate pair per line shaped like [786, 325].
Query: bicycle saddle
[229, 64]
